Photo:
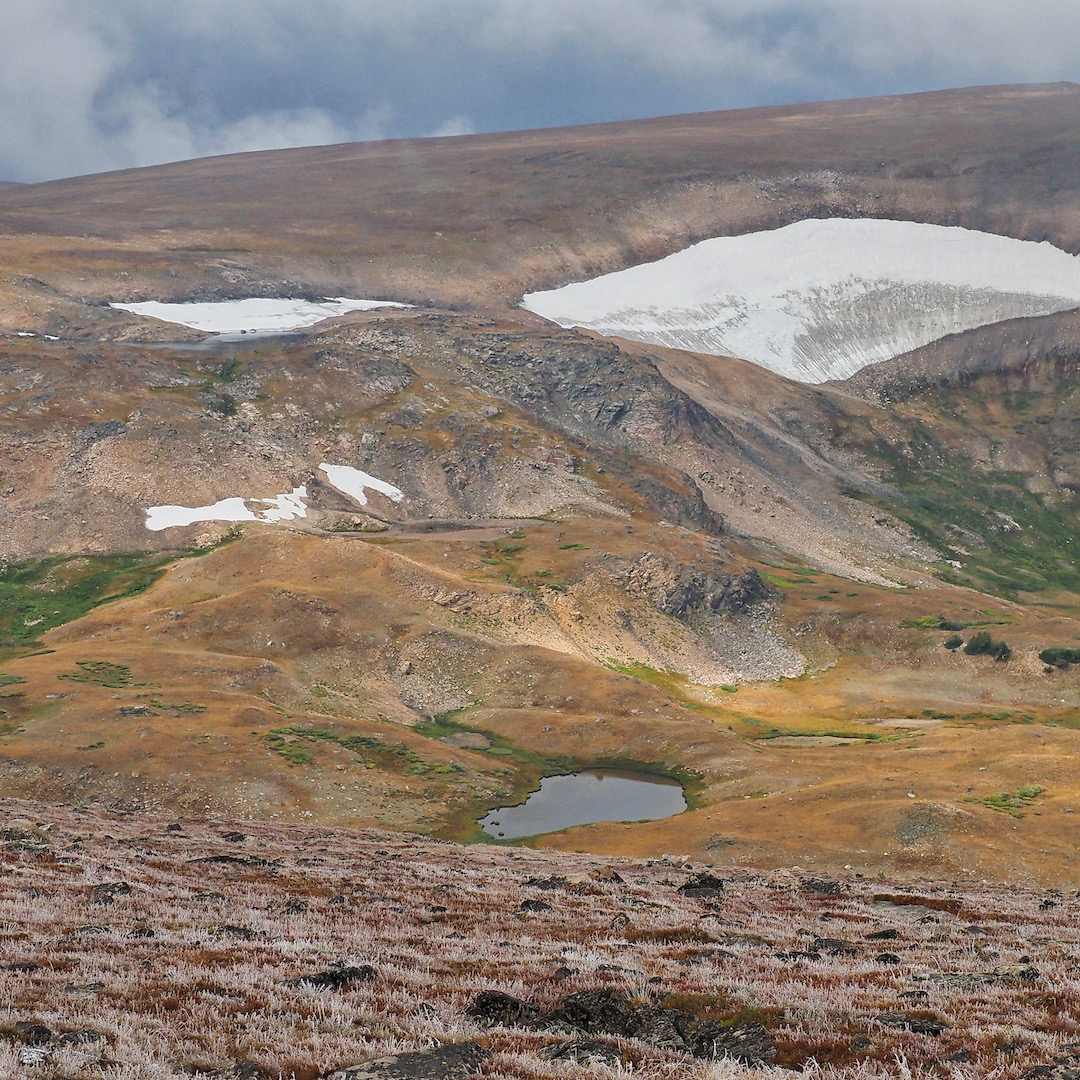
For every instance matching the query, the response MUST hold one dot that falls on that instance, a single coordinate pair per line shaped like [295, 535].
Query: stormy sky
[92, 85]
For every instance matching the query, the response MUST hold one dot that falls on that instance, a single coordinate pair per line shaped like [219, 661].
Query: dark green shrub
[953, 642]
[982, 644]
[1060, 657]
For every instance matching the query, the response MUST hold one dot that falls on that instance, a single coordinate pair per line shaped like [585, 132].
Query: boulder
[496, 1009]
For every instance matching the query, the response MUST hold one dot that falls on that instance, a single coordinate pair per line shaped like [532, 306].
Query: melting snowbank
[353, 482]
[279, 508]
[822, 299]
[256, 315]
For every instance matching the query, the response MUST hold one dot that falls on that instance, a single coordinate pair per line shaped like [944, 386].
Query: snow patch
[353, 483]
[255, 315]
[168, 517]
[285, 507]
[822, 299]
[279, 508]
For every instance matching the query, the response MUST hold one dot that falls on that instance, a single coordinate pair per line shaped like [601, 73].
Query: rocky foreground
[134, 946]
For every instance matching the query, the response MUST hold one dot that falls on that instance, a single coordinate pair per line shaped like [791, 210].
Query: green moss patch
[100, 672]
[37, 596]
[1012, 802]
[293, 742]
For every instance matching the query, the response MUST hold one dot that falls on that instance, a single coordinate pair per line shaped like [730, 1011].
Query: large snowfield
[822, 299]
[352, 482]
[255, 315]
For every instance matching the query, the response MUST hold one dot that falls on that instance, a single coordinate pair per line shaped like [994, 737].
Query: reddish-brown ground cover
[190, 964]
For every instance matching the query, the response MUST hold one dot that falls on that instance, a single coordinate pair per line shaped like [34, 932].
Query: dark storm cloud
[91, 86]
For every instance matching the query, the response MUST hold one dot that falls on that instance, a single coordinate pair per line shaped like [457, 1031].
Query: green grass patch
[1016, 541]
[10, 680]
[293, 742]
[577, 546]
[937, 622]
[782, 582]
[37, 596]
[100, 672]
[1011, 802]
[441, 724]
[178, 706]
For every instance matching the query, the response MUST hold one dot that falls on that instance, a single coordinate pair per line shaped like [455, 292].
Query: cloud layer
[117, 83]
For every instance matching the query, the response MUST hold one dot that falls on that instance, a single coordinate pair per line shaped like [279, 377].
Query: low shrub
[1059, 656]
[982, 644]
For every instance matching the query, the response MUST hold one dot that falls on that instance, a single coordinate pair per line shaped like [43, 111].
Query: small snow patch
[285, 507]
[254, 315]
[353, 483]
[822, 299]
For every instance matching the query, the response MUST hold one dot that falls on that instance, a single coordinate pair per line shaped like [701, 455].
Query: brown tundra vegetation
[133, 946]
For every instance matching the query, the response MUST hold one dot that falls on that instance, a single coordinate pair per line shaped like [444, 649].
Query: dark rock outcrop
[336, 978]
[917, 1024]
[441, 1063]
[686, 591]
[606, 1011]
[494, 1008]
[703, 886]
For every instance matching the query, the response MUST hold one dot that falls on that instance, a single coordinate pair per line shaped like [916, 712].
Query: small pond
[585, 797]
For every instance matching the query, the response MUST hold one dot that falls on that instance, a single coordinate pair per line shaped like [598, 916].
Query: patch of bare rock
[606, 1011]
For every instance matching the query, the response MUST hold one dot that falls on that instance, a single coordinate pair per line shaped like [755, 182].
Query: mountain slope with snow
[822, 299]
